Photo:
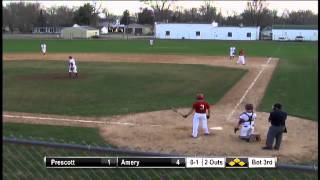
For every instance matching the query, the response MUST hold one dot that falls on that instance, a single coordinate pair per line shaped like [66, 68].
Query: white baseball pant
[196, 119]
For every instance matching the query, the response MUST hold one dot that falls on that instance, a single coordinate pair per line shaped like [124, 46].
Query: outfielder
[72, 68]
[43, 48]
[241, 57]
[202, 113]
[246, 123]
[151, 41]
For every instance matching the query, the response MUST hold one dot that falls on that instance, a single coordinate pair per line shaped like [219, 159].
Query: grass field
[110, 88]
[294, 82]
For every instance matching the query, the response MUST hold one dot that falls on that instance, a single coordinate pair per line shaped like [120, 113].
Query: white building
[294, 32]
[205, 31]
[79, 32]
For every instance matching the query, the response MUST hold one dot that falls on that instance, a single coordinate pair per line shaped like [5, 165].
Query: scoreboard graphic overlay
[159, 162]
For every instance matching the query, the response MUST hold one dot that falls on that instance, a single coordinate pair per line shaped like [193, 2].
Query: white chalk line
[249, 88]
[74, 120]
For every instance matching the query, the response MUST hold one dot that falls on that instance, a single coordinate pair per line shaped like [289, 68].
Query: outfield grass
[110, 88]
[294, 83]
[26, 162]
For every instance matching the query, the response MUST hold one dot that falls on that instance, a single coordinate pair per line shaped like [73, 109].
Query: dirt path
[166, 131]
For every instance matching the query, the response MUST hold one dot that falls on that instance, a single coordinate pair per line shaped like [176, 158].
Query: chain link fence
[24, 159]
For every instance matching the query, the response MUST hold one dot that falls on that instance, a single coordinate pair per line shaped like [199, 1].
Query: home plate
[216, 128]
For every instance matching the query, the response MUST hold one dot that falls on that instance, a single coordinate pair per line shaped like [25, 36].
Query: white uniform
[197, 117]
[72, 63]
[43, 48]
[247, 128]
[231, 51]
[151, 42]
[234, 51]
[241, 58]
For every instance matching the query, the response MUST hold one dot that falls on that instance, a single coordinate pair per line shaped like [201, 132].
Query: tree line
[24, 16]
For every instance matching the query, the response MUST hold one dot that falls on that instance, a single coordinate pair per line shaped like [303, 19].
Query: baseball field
[125, 90]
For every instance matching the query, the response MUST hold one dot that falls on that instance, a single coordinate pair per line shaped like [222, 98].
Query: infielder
[72, 68]
[202, 113]
[241, 57]
[43, 48]
[246, 123]
[232, 52]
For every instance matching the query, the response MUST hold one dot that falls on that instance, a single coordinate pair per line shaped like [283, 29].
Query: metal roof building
[295, 32]
[79, 32]
[205, 31]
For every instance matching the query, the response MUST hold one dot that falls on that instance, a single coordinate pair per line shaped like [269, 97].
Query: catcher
[246, 125]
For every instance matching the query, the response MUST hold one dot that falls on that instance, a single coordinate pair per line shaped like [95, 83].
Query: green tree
[146, 17]
[42, 20]
[86, 15]
[125, 19]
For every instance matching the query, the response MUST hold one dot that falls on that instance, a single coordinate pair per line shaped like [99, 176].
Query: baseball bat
[176, 111]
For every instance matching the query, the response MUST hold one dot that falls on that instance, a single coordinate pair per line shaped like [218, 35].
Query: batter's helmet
[249, 107]
[200, 96]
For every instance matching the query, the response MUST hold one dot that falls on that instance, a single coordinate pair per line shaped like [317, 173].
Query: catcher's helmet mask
[249, 107]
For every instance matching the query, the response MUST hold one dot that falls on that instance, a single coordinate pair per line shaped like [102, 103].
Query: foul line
[249, 88]
[74, 120]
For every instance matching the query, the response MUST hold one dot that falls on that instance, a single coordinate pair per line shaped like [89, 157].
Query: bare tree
[253, 13]
[160, 8]
[208, 12]
[22, 16]
[60, 16]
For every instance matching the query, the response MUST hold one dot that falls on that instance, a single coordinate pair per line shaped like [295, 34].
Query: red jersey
[200, 107]
[241, 53]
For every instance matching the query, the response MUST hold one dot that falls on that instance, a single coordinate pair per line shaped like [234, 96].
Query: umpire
[278, 126]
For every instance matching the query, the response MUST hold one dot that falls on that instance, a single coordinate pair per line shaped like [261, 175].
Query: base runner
[241, 58]
[202, 113]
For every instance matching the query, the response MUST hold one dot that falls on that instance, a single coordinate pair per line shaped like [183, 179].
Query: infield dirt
[167, 132]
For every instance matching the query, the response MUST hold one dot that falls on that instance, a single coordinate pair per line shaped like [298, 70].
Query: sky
[227, 7]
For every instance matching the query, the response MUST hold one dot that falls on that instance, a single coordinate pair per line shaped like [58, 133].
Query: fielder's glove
[285, 130]
[208, 116]
[185, 116]
[236, 129]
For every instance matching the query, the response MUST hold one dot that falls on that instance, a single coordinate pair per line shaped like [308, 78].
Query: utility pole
[127, 26]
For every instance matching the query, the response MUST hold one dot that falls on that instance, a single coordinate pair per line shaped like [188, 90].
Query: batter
[202, 113]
